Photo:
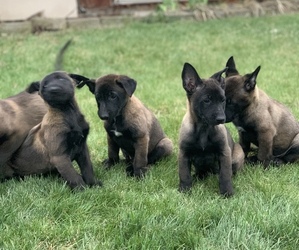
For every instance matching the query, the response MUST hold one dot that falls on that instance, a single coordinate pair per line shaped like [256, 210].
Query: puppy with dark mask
[260, 120]
[205, 142]
[130, 126]
[59, 139]
[19, 113]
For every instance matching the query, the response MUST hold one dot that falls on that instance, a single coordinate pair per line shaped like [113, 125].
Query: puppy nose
[54, 88]
[220, 120]
[103, 116]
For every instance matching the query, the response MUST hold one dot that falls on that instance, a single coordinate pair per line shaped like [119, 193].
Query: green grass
[42, 213]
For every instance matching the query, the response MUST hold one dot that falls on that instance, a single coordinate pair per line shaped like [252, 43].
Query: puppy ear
[190, 78]
[82, 80]
[231, 67]
[33, 87]
[127, 83]
[250, 82]
[218, 76]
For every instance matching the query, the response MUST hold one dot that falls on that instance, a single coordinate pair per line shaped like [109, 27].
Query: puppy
[260, 120]
[20, 113]
[130, 126]
[204, 140]
[59, 139]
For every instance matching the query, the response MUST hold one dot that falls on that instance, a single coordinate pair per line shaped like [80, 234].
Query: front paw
[251, 159]
[130, 170]
[185, 188]
[108, 163]
[277, 162]
[97, 183]
[140, 172]
[226, 189]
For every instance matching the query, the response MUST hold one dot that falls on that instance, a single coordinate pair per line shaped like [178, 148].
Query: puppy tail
[59, 58]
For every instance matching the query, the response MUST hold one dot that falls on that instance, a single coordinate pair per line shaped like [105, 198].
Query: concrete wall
[12, 10]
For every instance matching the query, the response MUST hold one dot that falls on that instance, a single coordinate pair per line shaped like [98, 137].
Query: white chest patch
[116, 133]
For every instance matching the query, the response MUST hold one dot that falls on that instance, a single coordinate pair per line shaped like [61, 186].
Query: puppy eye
[207, 101]
[112, 96]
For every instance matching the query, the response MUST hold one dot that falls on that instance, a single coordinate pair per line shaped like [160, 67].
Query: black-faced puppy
[204, 141]
[130, 126]
[18, 114]
[260, 120]
[59, 139]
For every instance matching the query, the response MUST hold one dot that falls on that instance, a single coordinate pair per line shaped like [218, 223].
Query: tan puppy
[130, 126]
[59, 139]
[260, 120]
[19, 114]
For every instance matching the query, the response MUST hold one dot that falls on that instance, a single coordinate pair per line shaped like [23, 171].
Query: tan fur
[131, 127]
[261, 120]
[57, 140]
[19, 114]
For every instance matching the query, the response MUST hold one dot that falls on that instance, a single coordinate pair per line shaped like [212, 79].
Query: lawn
[42, 212]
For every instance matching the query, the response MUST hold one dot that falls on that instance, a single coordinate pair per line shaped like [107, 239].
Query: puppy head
[206, 96]
[57, 89]
[112, 93]
[240, 92]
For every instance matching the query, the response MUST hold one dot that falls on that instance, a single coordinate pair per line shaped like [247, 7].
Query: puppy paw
[75, 187]
[184, 188]
[251, 159]
[97, 183]
[130, 171]
[108, 163]
[139, 172]
[278, 162]
[227, 194]
[226, 189]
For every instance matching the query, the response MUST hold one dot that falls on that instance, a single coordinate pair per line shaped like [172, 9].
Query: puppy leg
[244, 142]
[113, 153]
[6, 172]
[184, 172]
[265, 148]
[86, 168]
[225, 174]
[237, 158]
[68, 173]
[292, 154]
[164, 148]
[140, 158]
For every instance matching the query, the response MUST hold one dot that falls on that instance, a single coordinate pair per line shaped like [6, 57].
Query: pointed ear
[127, 83]
[231, 67]
[190, 78]
[82, 80]
[33, 87]
[250, 82]
[218, 76]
